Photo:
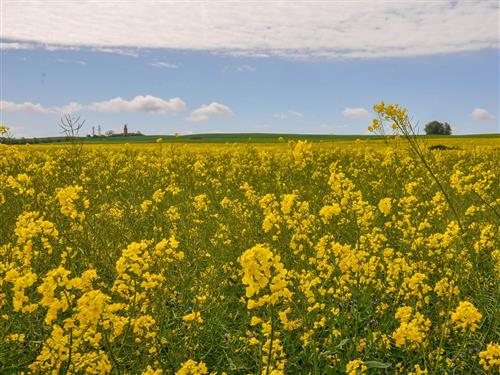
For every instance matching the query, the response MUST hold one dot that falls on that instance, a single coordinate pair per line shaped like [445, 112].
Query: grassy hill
[226, 138]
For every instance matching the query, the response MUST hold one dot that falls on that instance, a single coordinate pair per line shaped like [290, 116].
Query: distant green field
[233, 138]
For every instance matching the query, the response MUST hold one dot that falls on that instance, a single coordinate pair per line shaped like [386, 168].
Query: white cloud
[115, 50]
[141, 103]
[15, 45]
[482, 114]
[10, 107]
[163, 64]
[72, 108]
[245, 68]
[204, 112]
[239, 68]
[321, 29]
[289, 113]
[145, 103]
[295, 113]
[65, 61]
[355, 113]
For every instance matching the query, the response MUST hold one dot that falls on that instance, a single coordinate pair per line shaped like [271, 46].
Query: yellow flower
[356, 367]
[200, 202]
[68, 198]
[418, 371]
[193, 317]
[255, 320]
[385, 206]
[191, 367]
[413, 328]
[490, 358]
[257, 264]
[22, 184]
[149, 370]
[327, 212]
[466, 316]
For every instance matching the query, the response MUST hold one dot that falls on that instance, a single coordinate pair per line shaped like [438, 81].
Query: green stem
[486, 203]
[404, 128]
[270, 354]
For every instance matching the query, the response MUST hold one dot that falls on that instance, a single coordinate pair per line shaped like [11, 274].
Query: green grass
[231, 138]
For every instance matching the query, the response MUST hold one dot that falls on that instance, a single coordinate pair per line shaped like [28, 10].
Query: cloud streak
[239, 68]
[287, 114]
[316, 29]
[16, 46]
[163, 64]
[65, 61]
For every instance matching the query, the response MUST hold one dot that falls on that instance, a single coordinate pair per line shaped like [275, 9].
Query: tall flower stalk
[401, 124]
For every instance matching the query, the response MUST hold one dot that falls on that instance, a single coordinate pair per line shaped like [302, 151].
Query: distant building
[125, 130]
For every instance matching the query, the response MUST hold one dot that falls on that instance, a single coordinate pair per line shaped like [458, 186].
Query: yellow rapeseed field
[296, 258]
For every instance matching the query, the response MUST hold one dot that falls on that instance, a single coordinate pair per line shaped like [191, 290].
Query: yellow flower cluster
[390, 112]
[413, 328]
[261, 268]
[466, 316]
[490, 358]
[193, 317]
[68, 198]
[21, 184]
[384, 205]
[191, 367]
[302, 154]
[356, 367]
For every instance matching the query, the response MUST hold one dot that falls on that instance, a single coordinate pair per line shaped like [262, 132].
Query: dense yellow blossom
[413, 328]
[297, 257]
[466, 316]
[68, 198]
[191, 367]
[261, 268]
[384, 205]
[490, 358]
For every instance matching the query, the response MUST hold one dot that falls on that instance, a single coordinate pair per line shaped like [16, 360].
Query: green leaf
[343, 342]
[377, 364]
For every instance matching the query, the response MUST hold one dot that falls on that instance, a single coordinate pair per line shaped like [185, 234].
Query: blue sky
[255, 88]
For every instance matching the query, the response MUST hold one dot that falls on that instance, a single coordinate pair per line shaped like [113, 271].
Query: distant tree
[437, 128]
[109, 133]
